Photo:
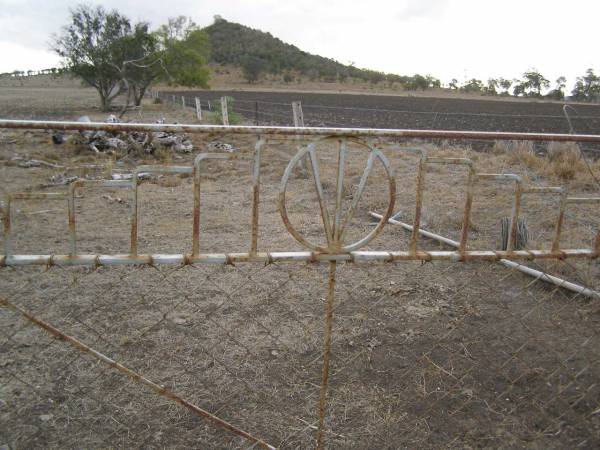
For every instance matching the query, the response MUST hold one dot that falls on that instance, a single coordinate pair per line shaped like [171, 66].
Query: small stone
[179, 320]
[46, 417]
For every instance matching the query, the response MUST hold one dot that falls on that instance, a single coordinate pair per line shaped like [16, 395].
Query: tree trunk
[130, 94]
[139, 95]
[104, 101]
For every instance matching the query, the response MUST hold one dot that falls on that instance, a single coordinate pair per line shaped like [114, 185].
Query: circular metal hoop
[335, 234]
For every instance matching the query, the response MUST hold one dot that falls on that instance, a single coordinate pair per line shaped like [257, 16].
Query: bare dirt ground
[459, 355]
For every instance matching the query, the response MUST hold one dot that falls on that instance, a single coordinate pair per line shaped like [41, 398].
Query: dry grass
[168, 181]
[164, 155]
[561, 162]
[565, 160]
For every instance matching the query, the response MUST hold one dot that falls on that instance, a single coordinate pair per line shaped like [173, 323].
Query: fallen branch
[510, 264]
[27, 163]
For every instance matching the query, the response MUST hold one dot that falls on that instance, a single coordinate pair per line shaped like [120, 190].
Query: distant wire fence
[259, 111]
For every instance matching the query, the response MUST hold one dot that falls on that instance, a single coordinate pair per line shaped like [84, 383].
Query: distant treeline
[30, 73]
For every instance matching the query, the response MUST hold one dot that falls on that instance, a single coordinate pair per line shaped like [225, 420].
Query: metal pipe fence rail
[274, 352]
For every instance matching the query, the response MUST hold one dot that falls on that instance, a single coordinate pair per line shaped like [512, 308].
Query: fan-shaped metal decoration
[336, 225]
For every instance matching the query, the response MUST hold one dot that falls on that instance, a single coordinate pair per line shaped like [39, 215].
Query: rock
[221, 146]
[58, 137]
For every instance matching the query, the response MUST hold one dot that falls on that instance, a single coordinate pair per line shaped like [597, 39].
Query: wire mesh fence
[399, 342]
[368, 111]
[422, 355]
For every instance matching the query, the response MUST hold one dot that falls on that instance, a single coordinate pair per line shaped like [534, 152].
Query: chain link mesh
[423, 355]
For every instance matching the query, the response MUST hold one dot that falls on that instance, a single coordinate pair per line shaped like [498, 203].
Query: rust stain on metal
[514, 217]
[418, 202]
[358, 256]
[559, 221]
[256, 195]
[7, 225]
[326, 354]
[464, 235]
[298, 131]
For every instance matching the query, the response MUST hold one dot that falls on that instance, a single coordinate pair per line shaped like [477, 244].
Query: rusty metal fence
[346, 341]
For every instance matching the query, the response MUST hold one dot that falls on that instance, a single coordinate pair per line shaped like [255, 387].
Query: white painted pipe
[510, 264]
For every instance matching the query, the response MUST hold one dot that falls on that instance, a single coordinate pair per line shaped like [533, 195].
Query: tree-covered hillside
[259, 52]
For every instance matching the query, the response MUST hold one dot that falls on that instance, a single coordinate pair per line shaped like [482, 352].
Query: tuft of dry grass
[524, 153]
[168, 181]
[163, 154]
[564, 160]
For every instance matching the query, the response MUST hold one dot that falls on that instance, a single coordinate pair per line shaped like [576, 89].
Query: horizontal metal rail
[505, 262]
[296, 131]
[359, 256]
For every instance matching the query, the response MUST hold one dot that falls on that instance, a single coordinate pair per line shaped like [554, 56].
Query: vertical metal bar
[7, 227]
[256, 113]
[418, 204]
[326, 354]
[319, 187]
[183, 101]
[256, 194]
[514, 216]
[343, 150]
[196, 214]
[71, 213]
[224, 113]
[559, 221]
[134, 215]
[464, 235]
[597, 244]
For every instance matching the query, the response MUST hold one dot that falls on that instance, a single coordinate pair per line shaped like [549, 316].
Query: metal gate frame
[334, 224]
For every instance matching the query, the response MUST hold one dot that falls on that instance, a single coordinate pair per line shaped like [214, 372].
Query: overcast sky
[446, 38]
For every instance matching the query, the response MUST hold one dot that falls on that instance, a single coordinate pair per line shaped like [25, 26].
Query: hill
[258, 52]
